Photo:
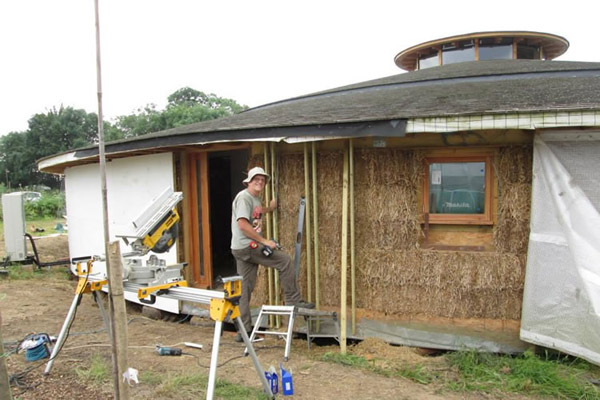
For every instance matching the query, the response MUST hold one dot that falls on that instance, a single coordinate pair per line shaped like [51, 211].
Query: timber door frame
[199, 211]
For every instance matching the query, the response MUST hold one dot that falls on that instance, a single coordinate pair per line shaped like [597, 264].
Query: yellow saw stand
[223, 305]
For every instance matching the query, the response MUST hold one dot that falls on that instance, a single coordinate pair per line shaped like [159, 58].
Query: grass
[19, 272]
[556, 377]
[98, 371]
[47, 224]
[195, 386]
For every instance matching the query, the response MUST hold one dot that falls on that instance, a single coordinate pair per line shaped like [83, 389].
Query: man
[247, 245]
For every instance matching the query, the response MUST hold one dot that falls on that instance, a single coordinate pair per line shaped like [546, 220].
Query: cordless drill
[265, 250]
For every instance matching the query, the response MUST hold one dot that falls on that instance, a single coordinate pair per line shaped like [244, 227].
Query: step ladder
[265, 312]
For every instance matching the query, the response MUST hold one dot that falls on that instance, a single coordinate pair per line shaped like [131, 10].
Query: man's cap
[253, 172]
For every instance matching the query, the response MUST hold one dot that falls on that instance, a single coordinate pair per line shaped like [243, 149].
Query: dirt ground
[40, 306]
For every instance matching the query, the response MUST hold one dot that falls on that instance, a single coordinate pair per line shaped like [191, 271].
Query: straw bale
[441, 284]
[513, 167]
[386, 187]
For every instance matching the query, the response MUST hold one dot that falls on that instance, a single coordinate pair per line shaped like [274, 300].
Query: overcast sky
[254, 52]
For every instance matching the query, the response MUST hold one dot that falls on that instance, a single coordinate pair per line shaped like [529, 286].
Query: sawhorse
[223, 305]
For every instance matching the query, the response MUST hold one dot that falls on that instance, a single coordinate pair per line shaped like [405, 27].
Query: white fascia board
[57, 160]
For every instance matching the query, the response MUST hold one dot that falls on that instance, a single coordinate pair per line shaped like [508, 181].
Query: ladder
[265, 312]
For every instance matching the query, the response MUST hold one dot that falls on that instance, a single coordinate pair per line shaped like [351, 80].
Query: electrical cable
[17, 378]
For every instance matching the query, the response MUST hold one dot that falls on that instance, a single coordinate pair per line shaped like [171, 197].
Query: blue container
[287, 385]
[272, 380]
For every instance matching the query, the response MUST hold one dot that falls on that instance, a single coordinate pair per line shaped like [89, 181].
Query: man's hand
[272, 244]
[273, 205]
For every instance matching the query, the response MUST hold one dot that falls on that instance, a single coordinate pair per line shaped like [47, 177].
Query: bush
[50, 205]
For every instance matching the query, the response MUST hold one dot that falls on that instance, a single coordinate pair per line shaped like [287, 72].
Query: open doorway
[226, 172]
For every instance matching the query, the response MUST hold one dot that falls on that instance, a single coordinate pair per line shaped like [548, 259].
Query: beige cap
[253, 172]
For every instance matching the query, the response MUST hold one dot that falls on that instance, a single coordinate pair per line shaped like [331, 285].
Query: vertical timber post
[268, 217]
[113, 267]
[316, 226]
[5, 392]
[307, 223]
[352, 251]
[344, 266]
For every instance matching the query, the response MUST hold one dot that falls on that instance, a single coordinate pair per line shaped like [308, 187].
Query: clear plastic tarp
[561, 300]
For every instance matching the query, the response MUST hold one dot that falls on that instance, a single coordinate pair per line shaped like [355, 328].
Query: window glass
[458, 52]
[504, 52]
[428, 61]
[457, 188]
[528, 52]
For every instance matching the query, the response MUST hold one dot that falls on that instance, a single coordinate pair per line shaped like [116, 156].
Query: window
[458, 52]
[429, 61]
[528, 52]
[495, 48]
[458, 190]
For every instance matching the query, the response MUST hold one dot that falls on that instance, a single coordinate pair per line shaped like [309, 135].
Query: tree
[54, 132]
[185, 106]
[66, 128]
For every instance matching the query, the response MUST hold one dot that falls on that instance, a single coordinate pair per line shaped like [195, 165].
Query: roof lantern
[480, 46]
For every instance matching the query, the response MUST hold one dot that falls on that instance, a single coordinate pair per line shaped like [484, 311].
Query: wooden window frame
[460, 219]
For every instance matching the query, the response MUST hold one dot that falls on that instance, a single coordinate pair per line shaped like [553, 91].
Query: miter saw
[154, 230]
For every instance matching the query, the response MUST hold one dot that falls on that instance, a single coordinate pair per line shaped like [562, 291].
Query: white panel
[131, 185]
[14, 226]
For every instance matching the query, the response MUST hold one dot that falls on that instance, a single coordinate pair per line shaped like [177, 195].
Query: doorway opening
[226, 170]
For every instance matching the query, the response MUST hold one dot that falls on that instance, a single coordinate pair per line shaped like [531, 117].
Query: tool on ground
[36, 346]
[299, 235]
[168, 351]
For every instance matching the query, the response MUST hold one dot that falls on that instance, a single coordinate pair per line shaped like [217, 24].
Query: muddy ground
[41, 305]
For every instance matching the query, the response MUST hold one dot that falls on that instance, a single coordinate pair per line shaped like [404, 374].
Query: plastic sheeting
[561, 300]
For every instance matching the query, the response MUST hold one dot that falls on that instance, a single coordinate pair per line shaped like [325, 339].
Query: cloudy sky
[254, 52]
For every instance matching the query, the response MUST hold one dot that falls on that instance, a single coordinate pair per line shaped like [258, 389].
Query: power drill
[265, 250]
[167, 351]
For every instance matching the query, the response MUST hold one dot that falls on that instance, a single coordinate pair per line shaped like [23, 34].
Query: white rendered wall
[132, 183]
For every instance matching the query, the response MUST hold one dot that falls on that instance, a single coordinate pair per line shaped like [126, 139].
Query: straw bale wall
[513, 167]
[394, 275]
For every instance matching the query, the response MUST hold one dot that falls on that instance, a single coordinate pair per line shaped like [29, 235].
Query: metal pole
[119, 356]
[63, 331]
[259, 369]
[214, 358]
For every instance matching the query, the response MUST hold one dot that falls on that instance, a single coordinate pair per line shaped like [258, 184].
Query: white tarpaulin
[561, 300]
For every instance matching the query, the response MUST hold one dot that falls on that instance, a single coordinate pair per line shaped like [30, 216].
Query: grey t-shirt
[249, 207]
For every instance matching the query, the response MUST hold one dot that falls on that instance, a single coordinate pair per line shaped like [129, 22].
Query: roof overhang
[293, 134]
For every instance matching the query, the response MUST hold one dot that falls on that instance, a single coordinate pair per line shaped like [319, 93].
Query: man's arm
[272, 207]
[247, 229]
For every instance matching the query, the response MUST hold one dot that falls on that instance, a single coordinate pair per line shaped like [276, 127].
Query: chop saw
[155, 230]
